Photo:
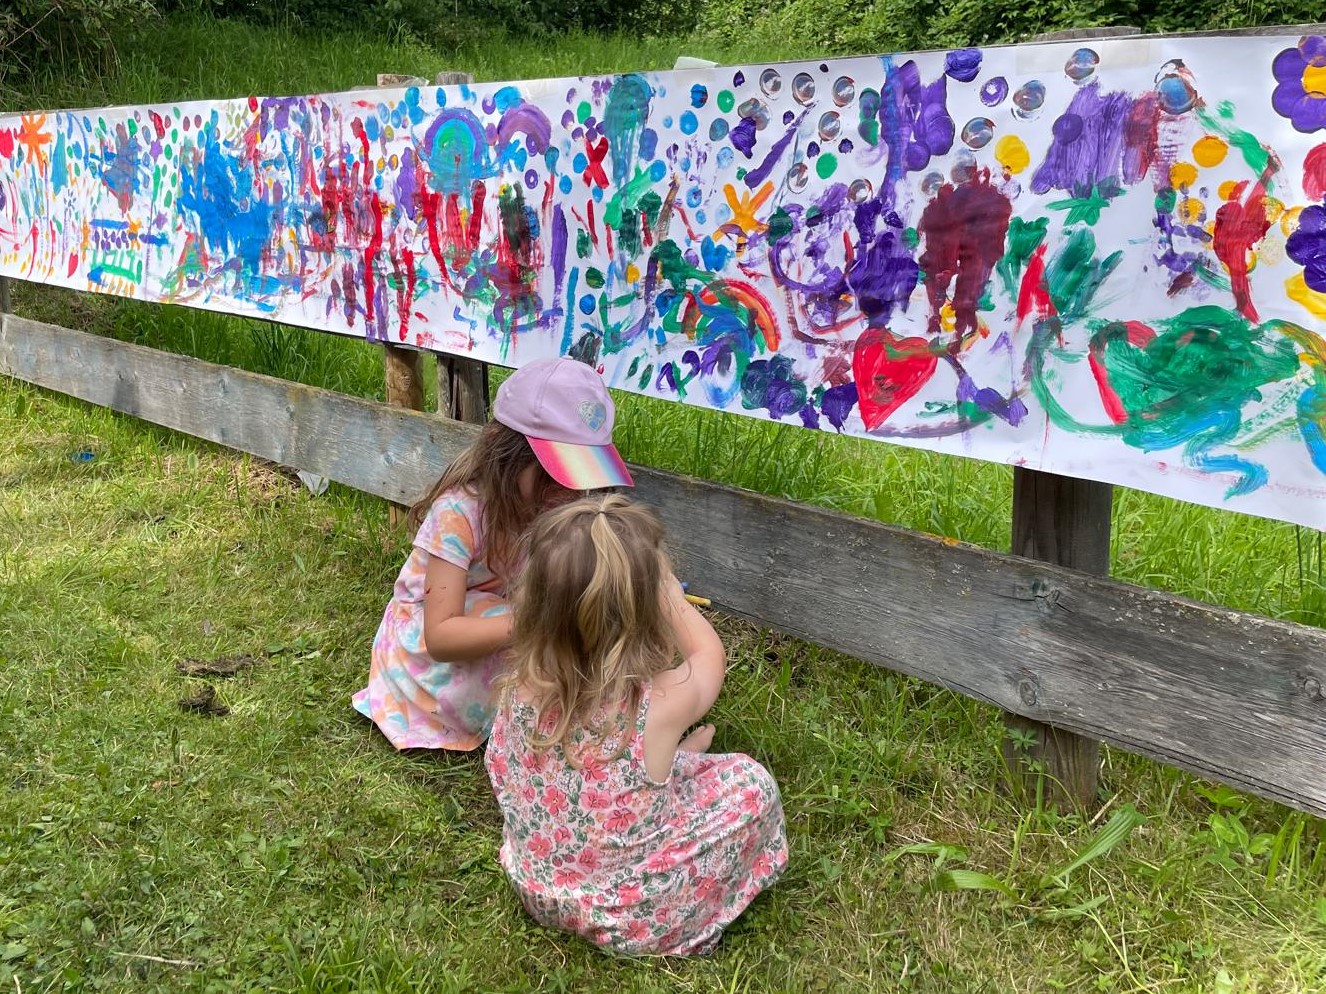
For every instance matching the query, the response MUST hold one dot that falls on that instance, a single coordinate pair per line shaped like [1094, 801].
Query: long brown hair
[490, 470]
[590, 625]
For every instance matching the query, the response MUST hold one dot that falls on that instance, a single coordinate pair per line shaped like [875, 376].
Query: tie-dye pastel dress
[417, 701]
[633, 865]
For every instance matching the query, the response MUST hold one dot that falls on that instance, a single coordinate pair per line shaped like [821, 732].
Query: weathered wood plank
[1060, 520]
[371, 447]
[1227, 695]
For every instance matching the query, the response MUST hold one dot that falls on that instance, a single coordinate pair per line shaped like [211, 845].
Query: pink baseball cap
[566, 413]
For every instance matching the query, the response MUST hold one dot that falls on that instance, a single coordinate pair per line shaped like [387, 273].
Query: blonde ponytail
[589, 620]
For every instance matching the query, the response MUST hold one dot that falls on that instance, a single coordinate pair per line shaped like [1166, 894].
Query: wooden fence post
[1065, 521]
[4, 295]
[462, 383]
[402, 366]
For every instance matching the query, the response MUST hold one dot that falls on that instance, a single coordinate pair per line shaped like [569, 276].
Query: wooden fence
[1071, 657]
[1227, 695]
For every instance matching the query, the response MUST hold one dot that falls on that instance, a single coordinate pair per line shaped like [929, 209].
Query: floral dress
[630, 864]
[417, 701]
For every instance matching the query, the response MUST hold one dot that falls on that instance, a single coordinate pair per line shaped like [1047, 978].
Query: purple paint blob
[883, 274]
[963, 64]
[837, 404]
[772, 384]
[993, 91]
[743, 136]
[407, 184]
[1088, 147]
[914, 121]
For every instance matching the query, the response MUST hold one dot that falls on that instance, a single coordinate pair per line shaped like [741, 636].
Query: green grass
[285, 846]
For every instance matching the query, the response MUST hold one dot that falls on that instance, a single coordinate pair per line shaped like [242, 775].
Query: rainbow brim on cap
[582, 467]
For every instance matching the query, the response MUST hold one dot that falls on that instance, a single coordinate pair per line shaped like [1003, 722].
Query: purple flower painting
[1300, 92]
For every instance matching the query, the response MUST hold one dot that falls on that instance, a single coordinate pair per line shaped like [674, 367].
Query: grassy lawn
[283, 845]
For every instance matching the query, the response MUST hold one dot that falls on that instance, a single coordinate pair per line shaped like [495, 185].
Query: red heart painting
[888, 371]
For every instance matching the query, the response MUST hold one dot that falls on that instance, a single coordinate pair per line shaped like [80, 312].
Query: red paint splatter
[333, 201]
[681, 212]
[253, 104]
[406, 279]
[1181, 283]
[371, 255]
[1141, 137]
[429, 203]
[595, 153]
[593, 231]
[1239, 225]
[73, 263]
[6, 143]
[357, 129]
[1033, 295]
[158, 124]
[1314, 173]
[964, 229]
[475, 229]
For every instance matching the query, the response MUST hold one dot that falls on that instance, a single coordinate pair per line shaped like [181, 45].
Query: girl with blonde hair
[617, 825]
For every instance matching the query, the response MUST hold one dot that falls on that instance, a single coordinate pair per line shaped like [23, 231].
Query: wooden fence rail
[1227, 695]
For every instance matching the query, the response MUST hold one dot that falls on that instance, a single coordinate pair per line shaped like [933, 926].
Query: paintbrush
[697, 601]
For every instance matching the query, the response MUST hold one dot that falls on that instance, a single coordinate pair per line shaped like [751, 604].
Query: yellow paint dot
[1182, 174]
[632, 273]
[395, 161]
[1192, 211]
[1274, 209]
[382, 164]
[1299, 292]
[1289, 220]
[1314, 81]
[948, 320]
[1228, 189]
[389, 131]
[1209, 151]
[1011, 153]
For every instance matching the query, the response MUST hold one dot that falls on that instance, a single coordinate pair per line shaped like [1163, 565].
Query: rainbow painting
[1103, 260]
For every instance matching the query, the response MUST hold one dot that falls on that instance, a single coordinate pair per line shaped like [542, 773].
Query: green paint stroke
[1185, 384]
[1024, 238]
[1075, 274]
[1254, 153]
[1083, 209]
[623, 121]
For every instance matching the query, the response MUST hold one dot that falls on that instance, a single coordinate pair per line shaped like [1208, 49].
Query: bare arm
[448, 633]
[683, 695]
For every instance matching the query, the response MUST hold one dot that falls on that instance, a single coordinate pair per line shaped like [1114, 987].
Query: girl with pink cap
[443, 637]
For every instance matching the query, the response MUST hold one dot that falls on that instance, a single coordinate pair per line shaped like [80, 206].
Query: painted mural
[1106, 262]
